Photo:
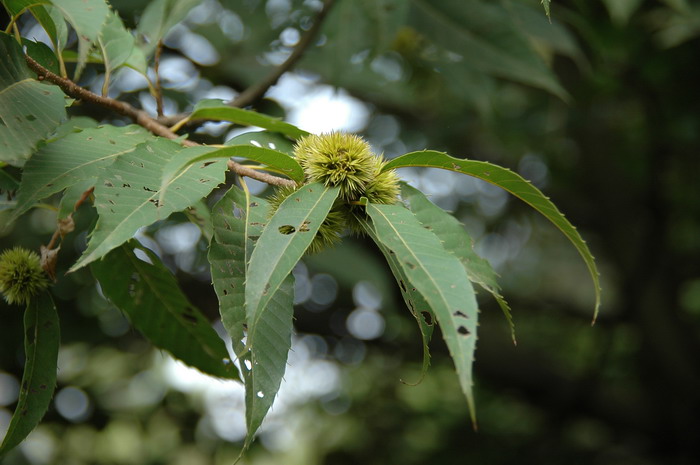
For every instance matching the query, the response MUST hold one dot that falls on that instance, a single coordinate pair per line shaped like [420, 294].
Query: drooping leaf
[87, 18]
[129, 195]
[282, 243]
[29, 109]
[485, 38]
[77, 157]
[264, 139]
[238, 221]
[152, 300]
[159, 17]
[415, 302]
[41, 341]
[456, 240]
[214, 109]
[516, 185]
[276, 161]
[116, 45]
[439, 277]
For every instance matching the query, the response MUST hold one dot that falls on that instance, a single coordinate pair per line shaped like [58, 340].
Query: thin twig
[142, 118]
[268, 178]
[257, 90]
[159, 90]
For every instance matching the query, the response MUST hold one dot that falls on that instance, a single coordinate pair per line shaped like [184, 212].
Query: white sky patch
[319, 108]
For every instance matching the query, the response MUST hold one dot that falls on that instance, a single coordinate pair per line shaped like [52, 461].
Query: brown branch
[243, 170]
[257, 90]
[141, 118]
[159, 90]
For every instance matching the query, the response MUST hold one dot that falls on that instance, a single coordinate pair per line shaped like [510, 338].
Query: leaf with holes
[29, 109]
[510, 182]
[273, 160]
[76, 158]
[456, 240]
[213, 109]
[41, 341]
[439, 277]
[415, 302]
[87, 18]
[152, 300]
[281, 245]
[238, 222]
[130, 195]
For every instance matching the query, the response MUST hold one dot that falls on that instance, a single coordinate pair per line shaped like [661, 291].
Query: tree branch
[141, 118]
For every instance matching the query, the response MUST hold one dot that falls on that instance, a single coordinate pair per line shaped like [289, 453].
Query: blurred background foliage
[599, 108]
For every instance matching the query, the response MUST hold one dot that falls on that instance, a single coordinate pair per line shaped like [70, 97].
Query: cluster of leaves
[135, 178]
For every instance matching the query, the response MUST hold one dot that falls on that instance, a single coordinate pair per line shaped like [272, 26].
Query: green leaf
[485, 38]
[456, 240]
[159, 17]
[152, 300]
[284, 240]
[87, 18]
[14, 7]
[217, 110]
[238, 222]
[439, 277]
[53, 23]
[516, 185]
[74, 158]
[277, 161]
[116, 44]
[43, 55]
[415, 302]
[130, 195]
[8, 183]
[41, 341]
[264, 139]
[29, 110]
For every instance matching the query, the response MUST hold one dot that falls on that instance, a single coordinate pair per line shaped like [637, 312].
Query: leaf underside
[439, 277]
[456, 240]
[238, 222]
[281, 245]
[130, 194]
[415, 302]
[510, 182]
[75, 158]
[29, 109]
